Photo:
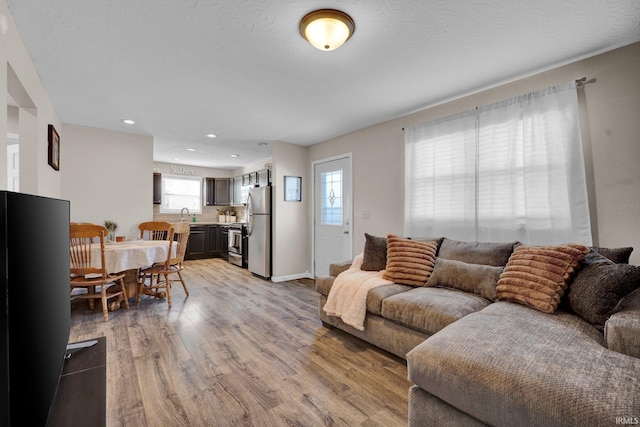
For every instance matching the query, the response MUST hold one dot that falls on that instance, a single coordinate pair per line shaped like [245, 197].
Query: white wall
[36, 177]
[107, 175]
[610, 118]
[290, 220]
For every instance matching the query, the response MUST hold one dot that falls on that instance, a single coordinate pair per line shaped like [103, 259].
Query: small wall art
[54, 148]
[292, 189]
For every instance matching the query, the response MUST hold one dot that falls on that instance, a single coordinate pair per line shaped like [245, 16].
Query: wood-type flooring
[240, 351]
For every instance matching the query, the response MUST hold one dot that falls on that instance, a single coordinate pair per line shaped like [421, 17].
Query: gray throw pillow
[374, 257]
[617, 255]
[599, 286]
[473, 278]
[485, 253]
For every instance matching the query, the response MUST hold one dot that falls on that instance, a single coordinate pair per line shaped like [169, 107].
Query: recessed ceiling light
[191, 149]
[211, 135]
[128, 122]
[235, 155]
[262, 144]
[176, 159]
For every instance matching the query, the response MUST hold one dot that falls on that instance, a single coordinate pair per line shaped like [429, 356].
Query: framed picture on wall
[292, 189]
[54, 148]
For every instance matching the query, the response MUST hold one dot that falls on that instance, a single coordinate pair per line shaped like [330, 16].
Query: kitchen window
[181, 192]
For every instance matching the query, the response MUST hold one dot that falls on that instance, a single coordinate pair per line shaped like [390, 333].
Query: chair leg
[91, 290]
[140, 288]
[167, 284]
[103, 296]
[124, 293]
[184, 285]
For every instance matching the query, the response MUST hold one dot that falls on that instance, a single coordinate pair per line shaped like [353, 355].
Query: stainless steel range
[237, 245]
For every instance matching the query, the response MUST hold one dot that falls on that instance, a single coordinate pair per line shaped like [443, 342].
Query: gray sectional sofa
[477, 357]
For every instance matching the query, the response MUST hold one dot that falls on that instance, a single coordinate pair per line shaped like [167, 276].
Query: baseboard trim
[292, 277]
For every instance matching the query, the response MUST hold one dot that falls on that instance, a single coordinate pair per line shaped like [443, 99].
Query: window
[181, 192]
[508, 171]
[331, 198]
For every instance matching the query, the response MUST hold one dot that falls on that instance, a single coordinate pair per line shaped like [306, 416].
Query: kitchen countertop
[216, 223]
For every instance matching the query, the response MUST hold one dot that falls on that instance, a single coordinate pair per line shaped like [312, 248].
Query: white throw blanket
[348, 295]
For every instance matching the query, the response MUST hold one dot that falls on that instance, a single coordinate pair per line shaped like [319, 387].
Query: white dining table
[130, 255]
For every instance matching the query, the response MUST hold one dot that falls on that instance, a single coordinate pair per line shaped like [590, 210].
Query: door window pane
[331, 198]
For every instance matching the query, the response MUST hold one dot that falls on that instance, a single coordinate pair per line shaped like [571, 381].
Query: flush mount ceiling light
[327, 29]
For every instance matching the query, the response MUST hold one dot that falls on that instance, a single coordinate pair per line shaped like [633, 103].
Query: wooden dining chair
[154, 230]
[154, 274]
[176, 264]
[88, 274]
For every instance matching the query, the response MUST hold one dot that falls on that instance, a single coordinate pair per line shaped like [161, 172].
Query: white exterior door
[332, 213]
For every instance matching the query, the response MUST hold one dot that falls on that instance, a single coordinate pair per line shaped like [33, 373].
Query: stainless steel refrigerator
[259, 231]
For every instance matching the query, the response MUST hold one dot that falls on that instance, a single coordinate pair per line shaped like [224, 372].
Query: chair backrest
[181, 237]
[81, 236]
[154, 230]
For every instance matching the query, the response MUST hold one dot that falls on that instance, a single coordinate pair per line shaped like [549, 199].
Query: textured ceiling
[239, 69]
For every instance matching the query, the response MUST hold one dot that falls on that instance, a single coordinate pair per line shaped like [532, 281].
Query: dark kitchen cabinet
[208, 241]
[217, 237]
[240, 191]
[218, 191]
[224, 242]
[250, 179]
[196, 245]
[264, 178]
[157, 188]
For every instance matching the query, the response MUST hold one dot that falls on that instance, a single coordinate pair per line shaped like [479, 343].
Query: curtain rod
[579, 83]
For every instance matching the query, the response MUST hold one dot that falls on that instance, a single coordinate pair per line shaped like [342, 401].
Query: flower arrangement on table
[111, 228]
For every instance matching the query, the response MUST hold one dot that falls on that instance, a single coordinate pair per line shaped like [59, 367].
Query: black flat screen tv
[35, 312]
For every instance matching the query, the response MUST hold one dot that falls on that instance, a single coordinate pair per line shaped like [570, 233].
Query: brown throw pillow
[599, 286]
[409, 262]
[473, 278]
[374, 257]
[537, 276]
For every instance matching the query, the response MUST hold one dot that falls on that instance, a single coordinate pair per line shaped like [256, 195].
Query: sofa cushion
[375, 253]
[430, 309]
[336, 268]
[617, 255]
[409, 262]
[496, 254]
[378, 294]
[622, 329]
[599, 286]
[323, 284]
[537, 276]
[512, 365]
[474, 278]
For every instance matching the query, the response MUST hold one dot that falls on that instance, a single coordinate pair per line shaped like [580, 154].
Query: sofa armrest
[622, 329]
[338, 267]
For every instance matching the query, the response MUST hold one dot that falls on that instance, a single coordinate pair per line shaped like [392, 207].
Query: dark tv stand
[81, 398]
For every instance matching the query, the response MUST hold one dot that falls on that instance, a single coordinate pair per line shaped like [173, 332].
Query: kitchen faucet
[182, 211]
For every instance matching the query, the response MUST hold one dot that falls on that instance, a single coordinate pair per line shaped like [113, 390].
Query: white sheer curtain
[508, 171]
